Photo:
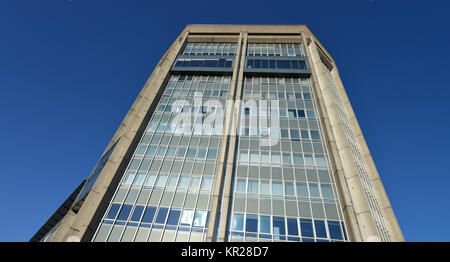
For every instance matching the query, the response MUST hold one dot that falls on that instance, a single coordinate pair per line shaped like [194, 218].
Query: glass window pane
[240, 186]
[251, 223]
[265, 187]
[150, 181]
[137, 213]
[327, 192]
[264, 224]
[183, 182]
[302, 189]
[319, 225]
[277, 188]
[237, 222]
[278, 226]
[187, 217]
[289, 188]
[200, 218]
[129, 178]
[162, 215]
[149, 214]
[174, 216]
[113, 211]
[292, 226]
[206, 183]
[335, 230]
[173, 181]
[139, 178]
[314, 190]
[253, 186]
[306, 227]
[195, 182]
[161, 182]
[124, 212]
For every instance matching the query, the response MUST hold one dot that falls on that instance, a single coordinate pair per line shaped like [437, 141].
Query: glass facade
[165, 192]
[286, 191]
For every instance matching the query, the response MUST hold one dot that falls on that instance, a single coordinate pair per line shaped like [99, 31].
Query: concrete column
[226, 144]
[232, 144]
[360, 209]
[81, 226]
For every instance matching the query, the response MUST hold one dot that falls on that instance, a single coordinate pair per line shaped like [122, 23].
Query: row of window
[197, 78]
[197, 92]
[277, 80]
[274, 187]
[172, 181]
[274, 49]
[263, 157]
[276, 64]
[282, 227]
[161, 215]
[276, 95]
[177, 151]
[210, 49]
[213, 63]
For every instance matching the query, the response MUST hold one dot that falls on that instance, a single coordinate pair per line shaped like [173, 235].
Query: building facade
[241, 133]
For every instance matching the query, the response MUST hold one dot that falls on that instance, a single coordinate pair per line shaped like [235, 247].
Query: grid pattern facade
[283, 192]
[228, 49]
[165, 192]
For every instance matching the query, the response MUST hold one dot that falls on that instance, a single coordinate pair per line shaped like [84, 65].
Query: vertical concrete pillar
[221, 234]
[226, 150]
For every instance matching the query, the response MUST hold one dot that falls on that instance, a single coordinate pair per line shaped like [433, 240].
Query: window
[149, 214]
[162, 215]
[187, 217]
[161, 182]
[264, 224]
[291, 113]
[292, 226]
[237, 222]
[277, 188]
[200, 218]
[335, 230]
[327, 192]
[124, 212]
[306, 227]
[113, 211]
[251, 223]
[206, 183]
[253, 186]
[278, 226]
[319, 225]
[289, 188]
[137, 213]
[265, 187]
[301, 113]
[174, 216]
[302, 189]
[314, 190]
[240, 185]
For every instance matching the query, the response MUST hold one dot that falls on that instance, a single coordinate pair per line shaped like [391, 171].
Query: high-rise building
[241, 133]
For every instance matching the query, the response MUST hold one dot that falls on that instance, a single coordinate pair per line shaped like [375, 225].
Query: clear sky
[70, 70]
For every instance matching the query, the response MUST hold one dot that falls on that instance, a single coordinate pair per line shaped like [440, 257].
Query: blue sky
[70, 70]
